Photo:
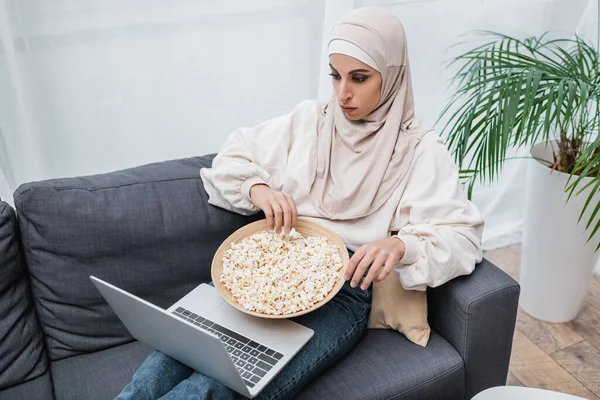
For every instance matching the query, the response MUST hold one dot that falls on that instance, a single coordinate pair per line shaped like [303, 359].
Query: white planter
[556, 263]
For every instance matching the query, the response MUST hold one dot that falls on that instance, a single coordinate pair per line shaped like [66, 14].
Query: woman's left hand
[380, 256]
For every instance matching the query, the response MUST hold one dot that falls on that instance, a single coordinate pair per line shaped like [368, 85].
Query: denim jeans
[338, 326]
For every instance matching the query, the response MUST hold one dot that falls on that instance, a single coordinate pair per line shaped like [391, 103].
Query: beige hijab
[355, 166]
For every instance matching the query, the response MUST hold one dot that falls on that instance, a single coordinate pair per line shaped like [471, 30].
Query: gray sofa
[151, 231]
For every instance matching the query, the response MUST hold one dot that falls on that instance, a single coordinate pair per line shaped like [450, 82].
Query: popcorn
[279, 274]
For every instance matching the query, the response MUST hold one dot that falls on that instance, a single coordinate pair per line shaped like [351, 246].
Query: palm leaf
[517, 92]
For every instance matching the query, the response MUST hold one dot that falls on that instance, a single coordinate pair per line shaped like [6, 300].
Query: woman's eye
[359, 78]
[334, 76]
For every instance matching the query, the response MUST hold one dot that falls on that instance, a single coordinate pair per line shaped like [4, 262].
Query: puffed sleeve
[440, 227]
[250, 156]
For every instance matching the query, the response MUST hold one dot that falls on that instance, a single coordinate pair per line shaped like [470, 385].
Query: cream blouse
[429, 210]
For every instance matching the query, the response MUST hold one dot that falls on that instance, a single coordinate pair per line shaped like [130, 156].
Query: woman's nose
[344, 95]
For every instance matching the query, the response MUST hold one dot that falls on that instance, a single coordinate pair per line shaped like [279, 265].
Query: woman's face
[357, 86]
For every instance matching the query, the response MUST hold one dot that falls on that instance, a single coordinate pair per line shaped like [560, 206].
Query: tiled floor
[560, 357]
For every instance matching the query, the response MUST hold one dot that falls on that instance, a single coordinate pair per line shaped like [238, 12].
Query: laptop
[204, 332]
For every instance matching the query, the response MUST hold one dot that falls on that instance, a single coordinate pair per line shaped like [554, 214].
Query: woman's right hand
[279, 208]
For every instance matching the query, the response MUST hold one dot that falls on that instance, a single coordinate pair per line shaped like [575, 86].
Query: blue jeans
[338, 326]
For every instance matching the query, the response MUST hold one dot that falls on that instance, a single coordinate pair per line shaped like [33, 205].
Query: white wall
[4, 186]
[114, 84]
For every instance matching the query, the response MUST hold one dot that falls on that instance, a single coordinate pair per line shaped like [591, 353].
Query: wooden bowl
[306, 228]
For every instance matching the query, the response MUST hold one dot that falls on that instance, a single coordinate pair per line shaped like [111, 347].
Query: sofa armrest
[477, 315]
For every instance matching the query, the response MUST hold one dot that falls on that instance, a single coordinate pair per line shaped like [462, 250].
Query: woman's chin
[354, 118]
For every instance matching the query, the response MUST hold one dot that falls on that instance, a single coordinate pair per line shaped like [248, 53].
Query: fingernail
[346, 277]
[353, 284]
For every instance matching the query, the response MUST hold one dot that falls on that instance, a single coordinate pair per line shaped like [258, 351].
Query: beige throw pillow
[403, 310]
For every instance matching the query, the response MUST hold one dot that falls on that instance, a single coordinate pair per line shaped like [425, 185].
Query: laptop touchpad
[203, 300]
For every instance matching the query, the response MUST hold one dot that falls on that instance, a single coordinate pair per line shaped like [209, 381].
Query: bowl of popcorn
[277, 275]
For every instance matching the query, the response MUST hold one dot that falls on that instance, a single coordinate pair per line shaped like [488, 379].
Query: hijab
[355, 166]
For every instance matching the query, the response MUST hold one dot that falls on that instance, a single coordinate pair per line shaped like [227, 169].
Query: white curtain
[90, 86]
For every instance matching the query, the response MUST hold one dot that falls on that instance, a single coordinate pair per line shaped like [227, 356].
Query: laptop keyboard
[252, 359]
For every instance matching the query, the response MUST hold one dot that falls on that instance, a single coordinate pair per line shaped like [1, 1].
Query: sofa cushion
[99, 375]
[22, 353]
[39, 388]
[386, 365]
[370, 371]
[148, 230]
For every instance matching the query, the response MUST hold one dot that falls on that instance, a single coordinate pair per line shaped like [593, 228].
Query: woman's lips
[348, 110]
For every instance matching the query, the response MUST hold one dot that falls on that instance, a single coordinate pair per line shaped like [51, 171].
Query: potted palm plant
[542, 94]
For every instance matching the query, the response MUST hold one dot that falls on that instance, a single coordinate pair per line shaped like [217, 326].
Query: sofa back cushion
[148, 230]
[22, 353]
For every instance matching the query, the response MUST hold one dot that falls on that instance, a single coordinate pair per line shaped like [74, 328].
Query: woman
[360, 164]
